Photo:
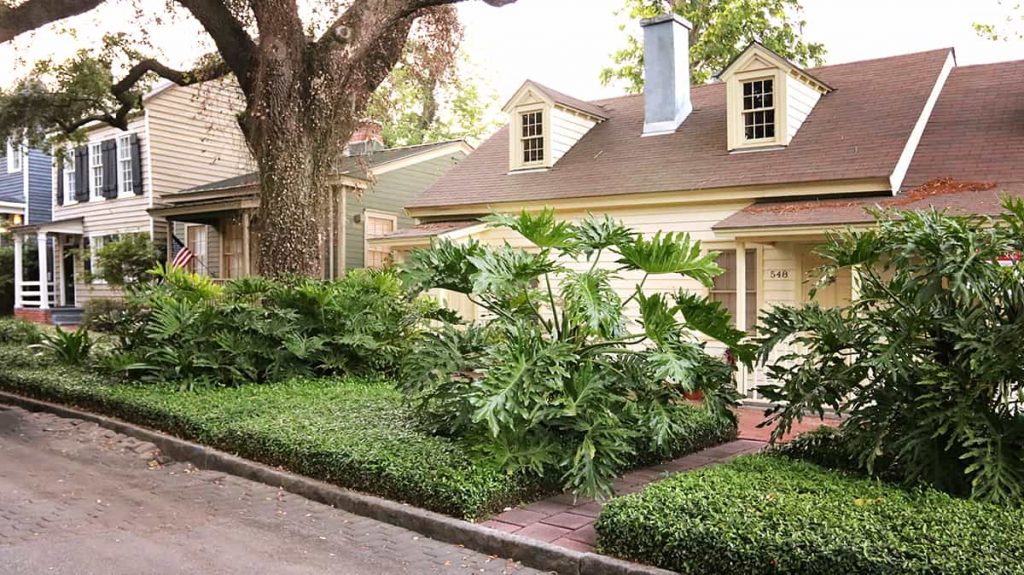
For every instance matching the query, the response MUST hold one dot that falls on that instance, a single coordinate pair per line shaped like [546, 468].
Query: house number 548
[778, 274]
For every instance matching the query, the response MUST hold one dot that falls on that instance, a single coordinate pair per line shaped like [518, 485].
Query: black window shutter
[82, 174]
[136, 165]
[109, 150]
[60, 182]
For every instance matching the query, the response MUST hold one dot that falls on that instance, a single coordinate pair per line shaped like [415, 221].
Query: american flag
[182, 259]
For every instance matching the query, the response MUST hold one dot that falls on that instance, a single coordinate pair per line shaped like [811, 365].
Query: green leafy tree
[126, 261]
[928, 362]
[419, 104]
[1012, 26]
[306, 74]
[721, 30]
[559, 380]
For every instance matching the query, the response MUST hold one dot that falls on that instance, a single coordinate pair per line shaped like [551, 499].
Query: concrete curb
[530, 552]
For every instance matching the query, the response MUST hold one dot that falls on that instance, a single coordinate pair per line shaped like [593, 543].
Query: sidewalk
[562, 521]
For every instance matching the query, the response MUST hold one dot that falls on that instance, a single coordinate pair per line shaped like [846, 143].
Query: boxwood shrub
[770, 514]
[355, 433]
[350, 432]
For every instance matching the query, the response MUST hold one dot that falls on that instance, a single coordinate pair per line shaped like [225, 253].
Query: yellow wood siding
[800, 101]
[780, 265]
[566, 129]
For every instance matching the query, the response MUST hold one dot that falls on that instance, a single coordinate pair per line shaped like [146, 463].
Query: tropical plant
[67, 347]
[927, 363]
[6, 280]
[186, 328]
[561, 378]
[126, 260]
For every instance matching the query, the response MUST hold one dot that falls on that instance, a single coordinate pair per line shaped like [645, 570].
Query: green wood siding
[389, 194]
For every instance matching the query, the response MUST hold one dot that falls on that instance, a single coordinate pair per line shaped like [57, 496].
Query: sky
[565, 43]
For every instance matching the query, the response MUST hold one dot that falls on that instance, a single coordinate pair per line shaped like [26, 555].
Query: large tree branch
[33, 14]
[235, 45]
[129, 100]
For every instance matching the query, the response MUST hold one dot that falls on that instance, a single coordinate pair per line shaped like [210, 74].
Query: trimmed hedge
[350, 432]
[769, 514]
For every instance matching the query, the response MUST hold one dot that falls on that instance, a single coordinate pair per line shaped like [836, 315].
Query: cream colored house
[185, 136]
[758, 165]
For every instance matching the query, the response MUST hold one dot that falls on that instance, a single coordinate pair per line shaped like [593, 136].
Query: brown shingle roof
[856, 132]
[976, 132]
[427, 230]
[942, 194]
[570, 102]
[971, 152]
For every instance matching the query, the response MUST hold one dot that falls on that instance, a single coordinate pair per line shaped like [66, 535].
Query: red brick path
[563, 521]
[750, 417]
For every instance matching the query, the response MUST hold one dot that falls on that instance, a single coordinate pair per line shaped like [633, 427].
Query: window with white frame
[724, 289]
[96, 170]
[532, 137]
[124, 165]
[95, 265]
[69, 176]
[376, 225]
[14, 157]
[759, 110]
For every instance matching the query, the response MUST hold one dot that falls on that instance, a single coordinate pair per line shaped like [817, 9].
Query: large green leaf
[507, 271]
[591, 301]
[542, 228]
[670, 253]
[594, 234]
[713, 320]
[446, 265]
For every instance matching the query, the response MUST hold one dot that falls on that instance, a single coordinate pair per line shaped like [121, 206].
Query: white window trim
[203, 269]
[774, 108]
[15, 151]
[69, 176]
[93, 248]
[734, 90]
[125, 141]
[367, 214]
[722, 247]
[516, 135]
[95, 192]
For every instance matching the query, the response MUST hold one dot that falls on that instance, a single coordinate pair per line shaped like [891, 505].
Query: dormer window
[768, 99]
[544, 125]
[759, 110]
[532, 139]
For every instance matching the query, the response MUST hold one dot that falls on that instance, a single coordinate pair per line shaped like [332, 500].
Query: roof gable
[757, 56]
[534, 93]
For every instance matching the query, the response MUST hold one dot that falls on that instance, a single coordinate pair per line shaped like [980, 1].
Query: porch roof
[71, 226]
[942, 194]
[423, 233]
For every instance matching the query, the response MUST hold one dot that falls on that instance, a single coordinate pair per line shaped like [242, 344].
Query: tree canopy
[307, 73]
[721, 30]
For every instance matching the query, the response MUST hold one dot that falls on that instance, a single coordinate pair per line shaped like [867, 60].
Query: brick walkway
[568, 523]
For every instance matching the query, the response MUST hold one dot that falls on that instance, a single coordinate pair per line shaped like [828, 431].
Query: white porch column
[741, 286]
[741, 307]
[19, 244]
[855, 272]
[44, 271]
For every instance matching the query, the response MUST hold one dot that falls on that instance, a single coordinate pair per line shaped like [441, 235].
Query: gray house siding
[389, 194]
[12, 186]
[40, 190]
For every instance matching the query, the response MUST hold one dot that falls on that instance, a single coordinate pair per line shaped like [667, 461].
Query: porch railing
[29, 294]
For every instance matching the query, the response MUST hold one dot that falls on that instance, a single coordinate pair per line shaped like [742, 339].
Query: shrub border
[529, 552]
